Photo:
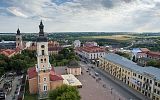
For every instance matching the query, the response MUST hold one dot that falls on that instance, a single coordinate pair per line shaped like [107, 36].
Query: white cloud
[85, 15]
[16, 12]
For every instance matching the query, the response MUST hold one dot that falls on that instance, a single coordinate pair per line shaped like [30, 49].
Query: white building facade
[90, 53]
[77, 43]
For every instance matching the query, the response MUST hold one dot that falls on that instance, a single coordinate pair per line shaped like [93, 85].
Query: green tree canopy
[123, 54]
[151, 63]
[64, 92]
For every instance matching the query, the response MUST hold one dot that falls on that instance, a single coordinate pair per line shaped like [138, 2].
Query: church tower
[19, 43]
[43, 66]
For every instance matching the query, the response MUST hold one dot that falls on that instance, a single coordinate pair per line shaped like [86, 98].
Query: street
[116, 85]
[13, 94]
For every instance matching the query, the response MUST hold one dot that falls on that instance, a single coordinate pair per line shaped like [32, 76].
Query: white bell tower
[43, 66]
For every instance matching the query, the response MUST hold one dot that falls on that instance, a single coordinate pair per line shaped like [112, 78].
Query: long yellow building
[145, 80]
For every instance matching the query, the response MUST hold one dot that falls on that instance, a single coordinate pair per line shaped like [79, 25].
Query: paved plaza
[92, 89]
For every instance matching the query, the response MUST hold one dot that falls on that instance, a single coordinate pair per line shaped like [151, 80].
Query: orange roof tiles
[32, 72]
[157, 54]
[53, 76]
[144, 49]
[93, 49]
[8, 52]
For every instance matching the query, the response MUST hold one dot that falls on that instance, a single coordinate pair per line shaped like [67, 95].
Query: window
[150, 88]
[45, 60]
[42, 46]
[135, 74]
[156, 83]
[153, 97]
[42, 52]
[147, 80]
[41, 60]
[45, 87]
[158, 92]
[154, 90]
[45, 79]
[151, 81]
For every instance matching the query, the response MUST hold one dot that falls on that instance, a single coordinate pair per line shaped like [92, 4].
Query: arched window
[42, 52]
[45, 60]
[42, 46]
[41, 60]
[45, 87]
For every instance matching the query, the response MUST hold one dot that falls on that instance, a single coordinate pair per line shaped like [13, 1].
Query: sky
[80, 15]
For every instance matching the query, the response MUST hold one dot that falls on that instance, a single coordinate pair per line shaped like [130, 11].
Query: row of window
[157, 84]
[140, 77]
[157, 91]
[147, 80]
[43, 60]
[155, 98]
[44, 79]
[146, 87]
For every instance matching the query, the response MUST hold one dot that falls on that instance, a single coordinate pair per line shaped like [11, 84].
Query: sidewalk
[121, 84]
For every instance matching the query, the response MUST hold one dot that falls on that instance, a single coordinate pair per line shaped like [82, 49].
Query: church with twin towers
[42, 77]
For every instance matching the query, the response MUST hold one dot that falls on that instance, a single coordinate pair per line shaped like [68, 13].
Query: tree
[152, 63]
[123, 54]
[65, 92]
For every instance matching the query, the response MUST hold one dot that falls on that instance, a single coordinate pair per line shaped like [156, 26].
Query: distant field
[114, 37]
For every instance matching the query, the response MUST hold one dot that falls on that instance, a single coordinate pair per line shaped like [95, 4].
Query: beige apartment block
[145, 80]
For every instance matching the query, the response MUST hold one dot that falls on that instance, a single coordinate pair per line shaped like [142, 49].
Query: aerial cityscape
[79, 50]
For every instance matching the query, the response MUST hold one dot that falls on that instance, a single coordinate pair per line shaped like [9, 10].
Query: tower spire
[41, 37]
[41, 26]
[18, 32]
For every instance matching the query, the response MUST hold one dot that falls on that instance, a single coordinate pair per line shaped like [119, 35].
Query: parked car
[96, 74]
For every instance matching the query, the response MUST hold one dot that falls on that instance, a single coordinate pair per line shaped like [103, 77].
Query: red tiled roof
[52, 71]
[32, 72]
[141, 53]
[55, 77]
[8, 52]
[92, 49]
[155, 54]
[144, 50]
[55, 48]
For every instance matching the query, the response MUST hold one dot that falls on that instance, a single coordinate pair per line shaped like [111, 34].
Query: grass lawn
[27, 95]
[114, 37]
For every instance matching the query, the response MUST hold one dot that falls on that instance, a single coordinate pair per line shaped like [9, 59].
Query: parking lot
[13, 91]
[94, 88]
